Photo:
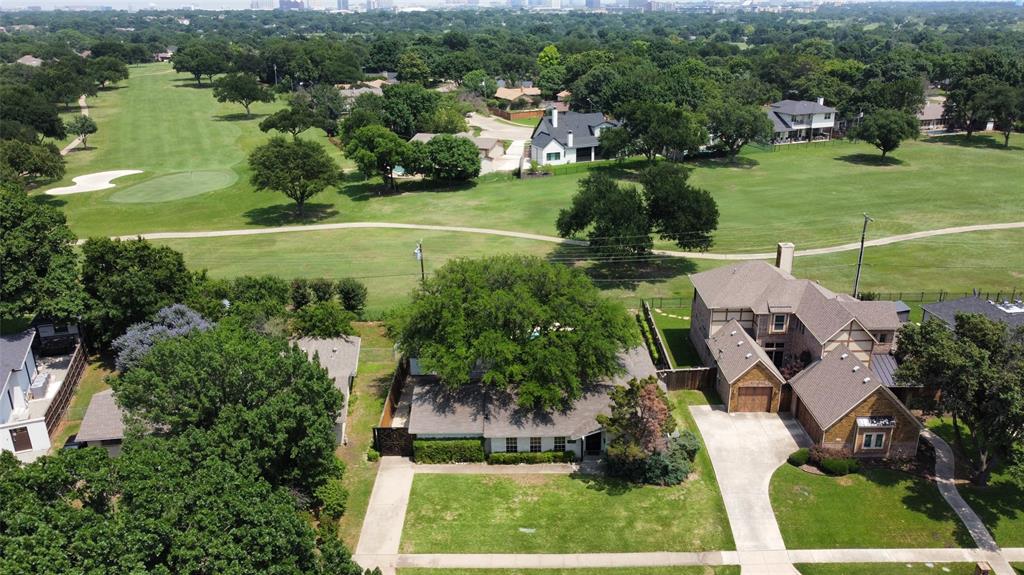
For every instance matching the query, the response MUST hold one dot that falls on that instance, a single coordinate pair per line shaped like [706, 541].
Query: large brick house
[774, 338]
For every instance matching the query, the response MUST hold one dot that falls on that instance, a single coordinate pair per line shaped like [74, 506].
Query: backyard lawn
[376, 366]
[542, 513]
[721, 570]
[674, 326]
[886, 568]
[873, 509]
[93, 381]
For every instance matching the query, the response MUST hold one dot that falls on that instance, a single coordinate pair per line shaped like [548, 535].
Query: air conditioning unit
[39, 386]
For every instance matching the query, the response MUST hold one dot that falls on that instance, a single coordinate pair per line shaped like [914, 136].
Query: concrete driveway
[493, 127]
[745, 450]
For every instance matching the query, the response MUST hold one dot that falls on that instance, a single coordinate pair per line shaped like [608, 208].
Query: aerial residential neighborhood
[409, 287]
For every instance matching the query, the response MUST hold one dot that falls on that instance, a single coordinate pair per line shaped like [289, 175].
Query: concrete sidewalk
[382, 527]
[566, 561]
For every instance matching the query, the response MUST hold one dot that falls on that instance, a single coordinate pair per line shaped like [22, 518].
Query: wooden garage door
[754, 399]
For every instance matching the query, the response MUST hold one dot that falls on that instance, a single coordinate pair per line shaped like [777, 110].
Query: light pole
[860, 258]
[419, 256]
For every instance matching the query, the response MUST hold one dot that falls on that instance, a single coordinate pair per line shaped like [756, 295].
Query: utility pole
[419, 255]
[860, 258]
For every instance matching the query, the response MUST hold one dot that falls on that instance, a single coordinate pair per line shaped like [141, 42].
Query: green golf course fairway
[174, 186]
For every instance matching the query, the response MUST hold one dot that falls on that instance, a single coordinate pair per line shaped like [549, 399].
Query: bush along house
[782, 344]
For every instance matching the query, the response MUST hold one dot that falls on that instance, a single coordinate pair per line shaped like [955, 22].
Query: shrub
[688, 442]
[819, 454]
[839, 466]
[448, 450]
[333, 498]
[799, 457]
[372, 454]
[322, 289]
[531, 458]
[669, 468]
[323, 319]
[353, 294]
[300, 293]
[645, 331]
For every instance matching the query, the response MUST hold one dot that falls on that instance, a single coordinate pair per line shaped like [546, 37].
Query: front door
[21, 440]
[592, 444]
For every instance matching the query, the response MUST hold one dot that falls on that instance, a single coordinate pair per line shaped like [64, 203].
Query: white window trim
[785, 323]
[514, 442]
[539, 442]
[556, 448]
[872, 435]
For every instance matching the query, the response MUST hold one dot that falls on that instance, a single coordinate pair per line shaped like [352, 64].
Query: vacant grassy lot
[543, 514]
[723, 570]
[376, 366]
[886, 568]
[1000, 504]
[875, 509]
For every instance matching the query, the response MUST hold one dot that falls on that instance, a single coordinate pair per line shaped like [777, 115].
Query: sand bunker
[92, 182]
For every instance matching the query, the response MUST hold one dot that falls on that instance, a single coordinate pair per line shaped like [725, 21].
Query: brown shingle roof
[477, 410]
[735, 352]
[511, 94]
[103, 419]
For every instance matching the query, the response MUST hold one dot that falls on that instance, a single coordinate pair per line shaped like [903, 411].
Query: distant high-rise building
[263, 4]
[593, 4]
[342, 4]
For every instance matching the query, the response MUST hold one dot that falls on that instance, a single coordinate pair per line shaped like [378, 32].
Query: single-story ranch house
[103, 424]
[436, 412]
[489, 148]
[1009, 312]
[568, 137]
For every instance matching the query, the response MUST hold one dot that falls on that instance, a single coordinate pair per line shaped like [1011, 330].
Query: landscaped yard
[93, 381]
[886, 568]
[376, 366]
[674, 326]
[722, 570]
[1000, 504]
[873, 509]
[542, 513]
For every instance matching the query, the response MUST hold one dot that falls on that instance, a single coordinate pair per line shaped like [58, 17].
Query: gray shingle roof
[340, 357]
[778, 124]
[735, 352]
[800, 107]
[947, 310]
[477, 410]
[581, 125]
[13, 349]
[103, 419]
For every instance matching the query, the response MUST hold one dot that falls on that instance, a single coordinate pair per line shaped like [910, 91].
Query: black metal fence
[943, 295]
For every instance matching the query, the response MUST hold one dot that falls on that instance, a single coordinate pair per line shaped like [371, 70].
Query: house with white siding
[796, 121]
[568, 137]
[476, 411]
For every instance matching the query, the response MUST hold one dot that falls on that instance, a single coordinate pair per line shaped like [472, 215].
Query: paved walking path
[382, 528]
[74, 143]
[564, 241]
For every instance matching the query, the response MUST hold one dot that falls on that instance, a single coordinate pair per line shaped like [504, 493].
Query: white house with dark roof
[801, 121]
[568, 137]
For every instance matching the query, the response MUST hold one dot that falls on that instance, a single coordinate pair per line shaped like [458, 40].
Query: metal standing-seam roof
[735, 352]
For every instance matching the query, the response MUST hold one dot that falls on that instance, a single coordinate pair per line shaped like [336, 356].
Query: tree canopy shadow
[870, 160]
[984, 141]
[111, 88]
[1002, 501]
[610, 485]
[239, 117]
[923, 497]
[284, 214]
[360, 189]
[192, 84]
[621, 272]
[737, 163]
[48, 200]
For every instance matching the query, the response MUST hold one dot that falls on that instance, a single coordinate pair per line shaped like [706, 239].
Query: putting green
[175, 186]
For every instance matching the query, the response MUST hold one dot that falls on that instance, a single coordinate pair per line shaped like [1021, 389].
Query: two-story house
[774, 340]
[801, 121]
[568, 137]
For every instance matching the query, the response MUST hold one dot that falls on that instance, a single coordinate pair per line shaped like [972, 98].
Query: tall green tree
[886, 129]
[376, 152]
[479, 82]
[27, 107]
[299, 169]
[541, 330]
[82, 126]
[200, 60]
[291, 120]
[127, 281]
[37, 255]
[241, 88]
[453, 158]
[408, 108]
[677, 210]
[107, 69]
[613, 216]
[978, 368]
[1006, 105]
[413, 68]
[23, 163]
[734, 125]
[657, 128]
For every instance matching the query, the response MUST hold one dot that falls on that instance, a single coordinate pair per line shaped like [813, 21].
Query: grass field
[721, 570]
[873, 509]
[886, 568]
[674, 326]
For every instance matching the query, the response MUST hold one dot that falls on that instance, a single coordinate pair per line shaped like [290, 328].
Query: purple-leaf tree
[172, 321]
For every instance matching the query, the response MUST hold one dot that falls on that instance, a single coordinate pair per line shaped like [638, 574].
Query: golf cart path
[552, 239]
[74, 143]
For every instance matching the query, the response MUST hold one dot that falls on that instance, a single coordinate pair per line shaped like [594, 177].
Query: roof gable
[736, 353]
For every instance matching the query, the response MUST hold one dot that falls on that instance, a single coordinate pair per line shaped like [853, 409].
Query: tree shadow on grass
[192, 84]
[870, 160]
[1001, 502]
[984, 141]
[625, 272]
[239, 117]
[737, 163]
[111, 88]
[285, 214]
[609, 485]
[48, 200]
[923, 497]
[359, 189]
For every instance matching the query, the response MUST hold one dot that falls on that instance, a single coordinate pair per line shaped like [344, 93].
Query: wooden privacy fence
[698, 378]
[656, 337]
[59, 405]
[388, 440]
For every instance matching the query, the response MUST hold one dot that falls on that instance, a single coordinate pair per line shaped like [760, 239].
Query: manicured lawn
[885, 568]
[376, 366]
[876, 509]
[1000, 504]
[674, 326]
[722, 570]
[93, 381]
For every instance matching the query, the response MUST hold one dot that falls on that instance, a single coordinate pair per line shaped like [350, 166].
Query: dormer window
[779, 323]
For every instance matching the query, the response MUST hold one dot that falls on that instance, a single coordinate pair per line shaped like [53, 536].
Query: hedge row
[448, 450]
[645, 331]
[532, 457]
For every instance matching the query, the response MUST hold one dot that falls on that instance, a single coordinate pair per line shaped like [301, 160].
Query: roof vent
[739, 343]
[867, 379]
[844, 356]
[856, 368]
[749, 355]
[733, 332]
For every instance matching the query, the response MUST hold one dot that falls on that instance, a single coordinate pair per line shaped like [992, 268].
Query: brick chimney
[784, 257]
